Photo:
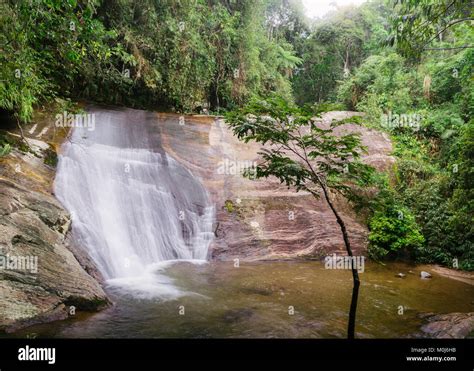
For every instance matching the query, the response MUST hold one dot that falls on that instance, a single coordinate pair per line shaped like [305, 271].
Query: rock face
[40, 279]
[262, 219]
[378, 144]
[449, 326]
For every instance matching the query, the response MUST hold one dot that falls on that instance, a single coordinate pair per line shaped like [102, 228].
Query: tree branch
[450, 24]
[452, 48]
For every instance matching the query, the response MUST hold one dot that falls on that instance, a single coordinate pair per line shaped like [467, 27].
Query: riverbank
[43, 280]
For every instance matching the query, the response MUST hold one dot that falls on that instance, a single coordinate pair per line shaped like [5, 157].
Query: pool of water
[269, 299]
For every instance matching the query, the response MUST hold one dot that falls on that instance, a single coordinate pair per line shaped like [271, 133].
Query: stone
[425, 275]
[448, 326]
[34, 228]
[237, 315]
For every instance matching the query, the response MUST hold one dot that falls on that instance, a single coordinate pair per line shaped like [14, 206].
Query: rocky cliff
[40, 278]
[261, 219]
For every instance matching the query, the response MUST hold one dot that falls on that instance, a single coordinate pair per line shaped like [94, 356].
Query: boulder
[448, 326]
[425, 275]
[40, 278]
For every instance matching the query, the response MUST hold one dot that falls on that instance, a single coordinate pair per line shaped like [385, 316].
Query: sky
[318, 8]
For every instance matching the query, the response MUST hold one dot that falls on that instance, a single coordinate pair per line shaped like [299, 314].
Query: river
[255, 300]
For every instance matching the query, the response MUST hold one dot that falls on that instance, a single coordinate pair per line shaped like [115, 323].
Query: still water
[268, 299]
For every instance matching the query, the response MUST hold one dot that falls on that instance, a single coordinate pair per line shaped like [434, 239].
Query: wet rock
[262, 219]
[40, 278]
[378, 144]
[455, 274]
[400, 275]
[237, 315]
[256, 291]
[448, 326]
[425, 275]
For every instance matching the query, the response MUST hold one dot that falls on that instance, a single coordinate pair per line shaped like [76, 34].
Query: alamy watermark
[232, 167]
[37, 354]
[19, 262]
[345, 262]
[392, 120]
[78, 120]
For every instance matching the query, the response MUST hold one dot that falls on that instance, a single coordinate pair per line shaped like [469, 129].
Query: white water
[133, 207]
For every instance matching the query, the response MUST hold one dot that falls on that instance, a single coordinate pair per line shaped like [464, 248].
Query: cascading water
[132, 205]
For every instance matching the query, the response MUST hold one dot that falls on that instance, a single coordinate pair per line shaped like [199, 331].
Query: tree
[286, 19]
[417, 24]
[143, 53]
[305, 157]
[335, 47]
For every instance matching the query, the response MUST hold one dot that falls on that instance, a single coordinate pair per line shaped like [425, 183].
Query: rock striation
[261, 219]
[40, 278]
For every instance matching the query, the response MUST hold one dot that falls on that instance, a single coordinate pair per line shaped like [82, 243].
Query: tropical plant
[304, 156]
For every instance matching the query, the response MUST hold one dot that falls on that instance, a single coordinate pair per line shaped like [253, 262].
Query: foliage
[5, 149]
[50, 157]
[393, 228]
[145, 53]
[299, 152]
[229, 206]
[337, 45]
[418, 24]
[386, 57]
[382, 81]
[391, 231]
[437, 85]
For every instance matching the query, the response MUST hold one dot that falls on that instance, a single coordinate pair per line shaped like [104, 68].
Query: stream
[218, 300]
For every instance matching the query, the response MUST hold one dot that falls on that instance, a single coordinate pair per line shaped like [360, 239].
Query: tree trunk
[355, 274]
[21, 133]
[346, 69]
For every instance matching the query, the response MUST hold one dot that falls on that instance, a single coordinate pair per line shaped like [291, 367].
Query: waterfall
[132, 205]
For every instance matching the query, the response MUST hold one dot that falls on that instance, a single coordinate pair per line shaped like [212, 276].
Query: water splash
[132, 205]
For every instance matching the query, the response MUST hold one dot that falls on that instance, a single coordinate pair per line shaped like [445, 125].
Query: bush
[382, 81]
[393, 232]
[442, 122]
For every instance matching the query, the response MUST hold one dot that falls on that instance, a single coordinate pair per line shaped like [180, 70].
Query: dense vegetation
[143, 53]
[407, 64]
[426, 206]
